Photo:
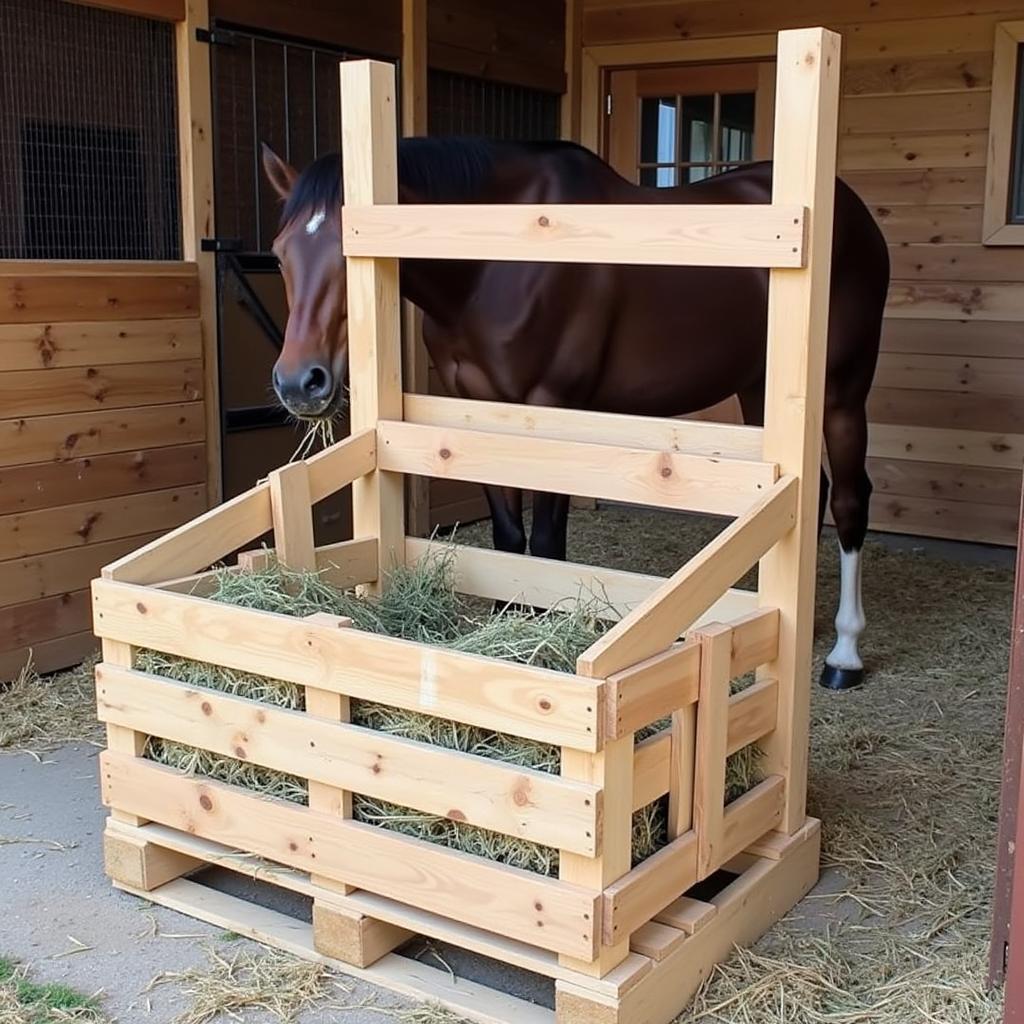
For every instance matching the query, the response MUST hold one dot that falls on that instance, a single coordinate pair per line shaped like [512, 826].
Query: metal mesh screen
[88, 134]
[462, 105]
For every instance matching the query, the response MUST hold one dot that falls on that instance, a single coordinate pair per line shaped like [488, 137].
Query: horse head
[310, 375]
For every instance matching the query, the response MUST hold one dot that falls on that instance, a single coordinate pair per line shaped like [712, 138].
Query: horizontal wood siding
[102, 437]
[948, 404]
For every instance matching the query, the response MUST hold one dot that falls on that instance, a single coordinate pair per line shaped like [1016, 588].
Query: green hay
[419, 603]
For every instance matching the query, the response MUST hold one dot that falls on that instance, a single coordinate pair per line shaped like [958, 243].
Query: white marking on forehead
[314, 222]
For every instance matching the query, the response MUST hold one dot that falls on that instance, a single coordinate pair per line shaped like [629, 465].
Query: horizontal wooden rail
[519, 904]
[755, 640]
[241, 520]
[518, 802]
[544, 582]
[653, 689]
[659, 479]
[694, 437]
[671, 610]
[663, 234]
[553, 707]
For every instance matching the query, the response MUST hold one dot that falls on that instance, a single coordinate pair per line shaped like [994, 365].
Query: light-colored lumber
[122, 740]
[687, 914]
[132, 860]
[544, 582]
[1003, 115]
[672, 609]
[755, 640]
[753, 713]
[694, 437]
[612, 770]
[395, 973]
[661, 479]
[681, 768]
[519, 904]
[652, 689]
[689, 235]
[712, 740]
[369, 154]
[353, 937]
[650, 887]
[531, 805]
[656, 940]
[798, 309]
[240, 520]
[651, 768]
[751, 816]
[291, 508]
[554, 707]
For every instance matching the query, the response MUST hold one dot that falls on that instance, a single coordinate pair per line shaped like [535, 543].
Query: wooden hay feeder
[622, 944]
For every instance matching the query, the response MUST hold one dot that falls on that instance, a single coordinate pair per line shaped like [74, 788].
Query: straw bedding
[419, 603]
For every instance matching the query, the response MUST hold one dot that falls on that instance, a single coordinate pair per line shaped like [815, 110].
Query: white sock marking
[850, 620]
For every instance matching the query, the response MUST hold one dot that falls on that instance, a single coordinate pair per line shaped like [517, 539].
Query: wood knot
[293, 846]
[375, 767]
[543, 222]
[544, 704]
[666, 472]
[538, 906]
[521, 795]
[207, 707]
[140, 608]
[206, 803]
[445, 453]
[240, 753]
[455, 815]
[261, 716]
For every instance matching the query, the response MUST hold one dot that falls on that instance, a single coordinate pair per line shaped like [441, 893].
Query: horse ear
[280, 174]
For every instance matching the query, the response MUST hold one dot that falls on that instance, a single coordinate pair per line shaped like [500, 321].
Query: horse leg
[846, 435]
[507, 530]
[550, 525]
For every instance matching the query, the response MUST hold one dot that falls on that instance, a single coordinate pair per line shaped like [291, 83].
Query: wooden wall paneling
[934, 224]
[950, 300]
[884, 76]
[956, 111]
[968, 374]
[1009, 38]
[878, 152]
[945, 481]
[941, 262]
[45, 485]
[950, 410]
[953, 337]
[48, 655]
[22, 625]
[195, 150]
[963, 186]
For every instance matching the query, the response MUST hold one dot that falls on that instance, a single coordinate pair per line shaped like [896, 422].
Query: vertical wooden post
[369, 152]
[195, 147]
[712, 740]
[415, 361]
[612, 770]
[806, 113]
[120, 739]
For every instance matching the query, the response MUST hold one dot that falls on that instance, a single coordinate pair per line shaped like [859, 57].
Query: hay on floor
[419, 603]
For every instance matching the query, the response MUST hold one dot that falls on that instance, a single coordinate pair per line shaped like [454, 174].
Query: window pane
[658, 130]
[736, 127]
[1017, 175]
[699, 173]
[658, 177]
[698, 127]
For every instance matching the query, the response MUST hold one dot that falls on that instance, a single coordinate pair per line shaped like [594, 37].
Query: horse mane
[441, 170]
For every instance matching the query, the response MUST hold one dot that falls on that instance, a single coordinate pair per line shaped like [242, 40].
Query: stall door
[670, 126]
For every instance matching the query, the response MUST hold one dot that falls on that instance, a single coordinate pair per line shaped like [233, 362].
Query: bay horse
[655, 341]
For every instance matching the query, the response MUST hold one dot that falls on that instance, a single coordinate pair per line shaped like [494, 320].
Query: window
[88, 134]
[464, 105]
[1004, 186]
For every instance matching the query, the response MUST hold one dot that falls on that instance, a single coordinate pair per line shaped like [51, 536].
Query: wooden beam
[718, 235]
[292, 515]
[504, 798]
[692, 437]
[652, 689]
[806, 117]
[519, 904]
[553, 707]
[370, 153]
[672, 609]
[195, 159]
[658, 479]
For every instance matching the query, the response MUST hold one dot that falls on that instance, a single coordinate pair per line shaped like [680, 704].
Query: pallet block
[623, 943]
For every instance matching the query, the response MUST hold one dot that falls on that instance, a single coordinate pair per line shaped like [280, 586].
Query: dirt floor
[904, 775]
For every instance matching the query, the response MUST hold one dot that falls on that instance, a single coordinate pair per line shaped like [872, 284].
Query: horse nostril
[317, 382]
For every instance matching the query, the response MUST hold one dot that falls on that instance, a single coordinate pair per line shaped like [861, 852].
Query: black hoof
[833, 678]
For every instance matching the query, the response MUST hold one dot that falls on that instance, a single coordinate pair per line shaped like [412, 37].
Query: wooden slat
[55, 293]
[752, 714]
[956, 111]
[931, 74]
[337, 466]
[543, 582]
[750, 816]
[947, 300]
[712, 739]
[651, 768]
[532, 805]
[49, 346]
[687, 914]
[722, 236]
[650, 887]
[659, 479]
[60, 572]
[44, 485]
[652, 689]
[48, 655]
[673, 608]
[951, 373]
[291, 507]
[877, 152]
[682, 767]
[952, 337]
[938, 262]
[755, 640]
[955, 520]
[76, 435]
[939, 186]
[798, 314]
[553, 707]
[935, 444]
[931, 224]
[953, 410]
[519, 904]
[720, 440]
[22, 625]
[656, 940]
[946, 481]
[92, 522]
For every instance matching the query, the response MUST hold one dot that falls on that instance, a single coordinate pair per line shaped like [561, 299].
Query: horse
[647, 340]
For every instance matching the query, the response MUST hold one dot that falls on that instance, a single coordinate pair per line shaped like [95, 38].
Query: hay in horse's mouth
[419, 603]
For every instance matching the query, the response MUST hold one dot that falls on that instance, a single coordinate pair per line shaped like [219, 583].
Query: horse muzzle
[310, 393]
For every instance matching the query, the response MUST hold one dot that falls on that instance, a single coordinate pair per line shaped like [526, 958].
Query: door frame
[597, 62]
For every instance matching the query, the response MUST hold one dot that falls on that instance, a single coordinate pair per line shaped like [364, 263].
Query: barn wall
[101, 437]
[948, 403]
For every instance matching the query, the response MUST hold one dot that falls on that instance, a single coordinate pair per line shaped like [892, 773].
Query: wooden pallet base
[670, 956]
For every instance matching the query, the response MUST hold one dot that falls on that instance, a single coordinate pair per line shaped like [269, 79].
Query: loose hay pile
[419, 603]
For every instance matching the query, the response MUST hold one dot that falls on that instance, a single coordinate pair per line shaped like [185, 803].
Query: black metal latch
[221, 245]
[216, 37]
